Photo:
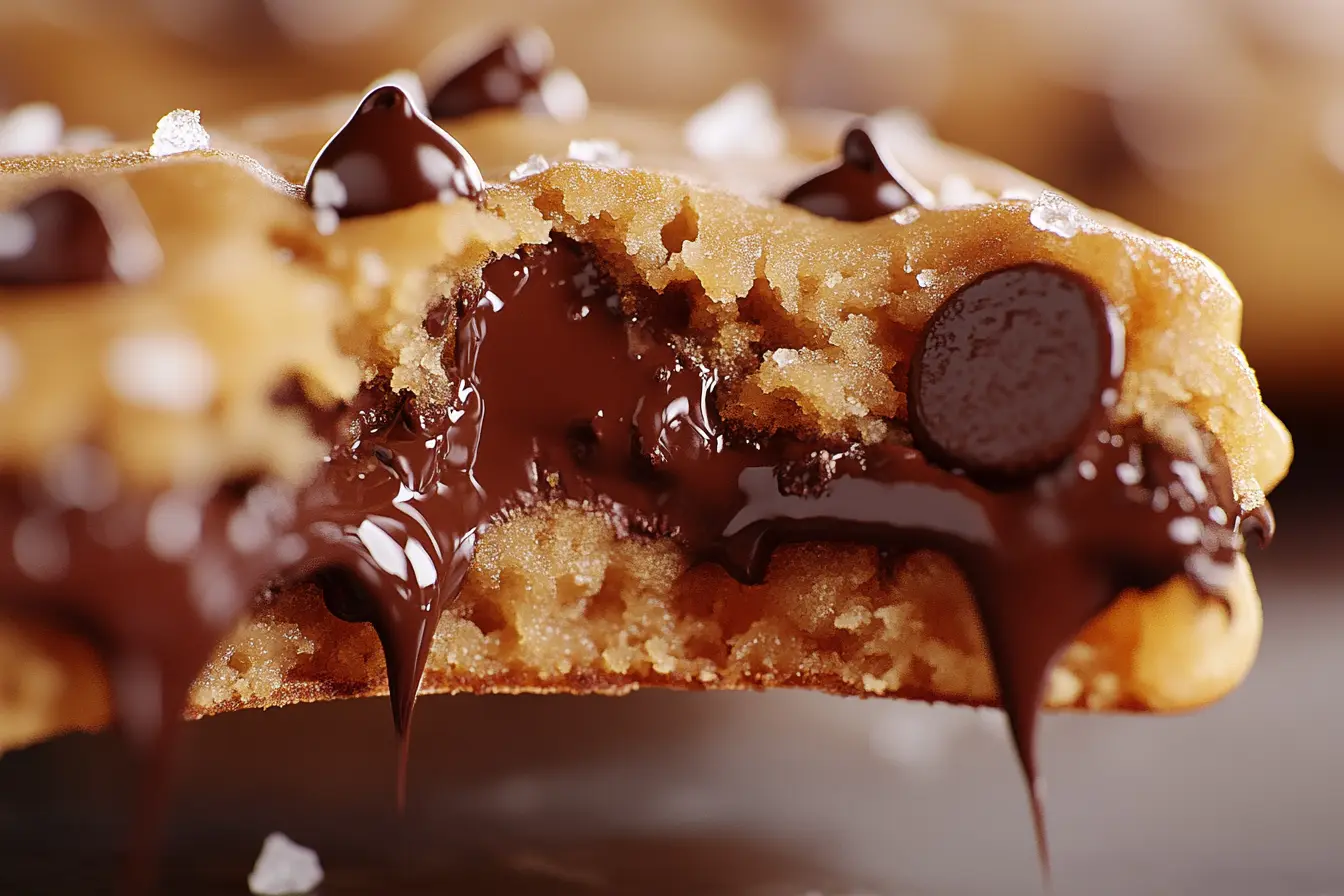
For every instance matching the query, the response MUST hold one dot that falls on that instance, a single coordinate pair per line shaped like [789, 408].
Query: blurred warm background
[1219, 122]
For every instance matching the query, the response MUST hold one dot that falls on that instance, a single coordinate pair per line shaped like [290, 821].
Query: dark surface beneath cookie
[779, 793]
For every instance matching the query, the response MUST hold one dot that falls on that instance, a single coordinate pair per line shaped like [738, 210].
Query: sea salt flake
[81, 476]
[165, 371]
[926, 278]
[373, 270]
[604, 153]
[41, 549]
[18, 234]
[534, 165]
[173, 527]
[179, 131]
[1055, 214]
[500, 85]
[741, 123]
[907, 215]
[31, 129]
[561, 96]
[957, 191]
[284, 868]
[1185, 530]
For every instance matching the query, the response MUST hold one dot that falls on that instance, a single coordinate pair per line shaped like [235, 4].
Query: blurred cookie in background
[1221, 124]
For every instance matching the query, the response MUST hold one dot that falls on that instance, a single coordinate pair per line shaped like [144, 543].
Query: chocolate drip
[866, 184]
[1259, 524]
[515, 73]
[389, 157]
[561, 396]
[56, 237]
[153, 580]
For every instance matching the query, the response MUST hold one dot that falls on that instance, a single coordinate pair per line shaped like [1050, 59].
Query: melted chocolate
[562, 396]
[511, 74]
[56, 237]
[153, 580]
[866, 184]
[389, 157]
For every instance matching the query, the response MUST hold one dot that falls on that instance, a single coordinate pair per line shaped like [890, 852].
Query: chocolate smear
[66, 236]
[389, 157]
[517, 72]
[866, 184]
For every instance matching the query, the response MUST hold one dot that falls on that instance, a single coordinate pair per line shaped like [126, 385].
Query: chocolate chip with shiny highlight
[62, 236]
[1011, 372]
[517, 72]
[390, 157]
[866, 185]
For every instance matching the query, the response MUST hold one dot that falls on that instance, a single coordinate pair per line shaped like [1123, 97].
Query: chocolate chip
[390, 157]
[867, 184]
[56, 237]
[1011, 371]
[515, 73]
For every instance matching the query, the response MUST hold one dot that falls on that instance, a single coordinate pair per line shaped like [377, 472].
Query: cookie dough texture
[812, 322]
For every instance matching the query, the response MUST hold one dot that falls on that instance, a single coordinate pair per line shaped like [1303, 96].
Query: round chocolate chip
[1012, 371]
